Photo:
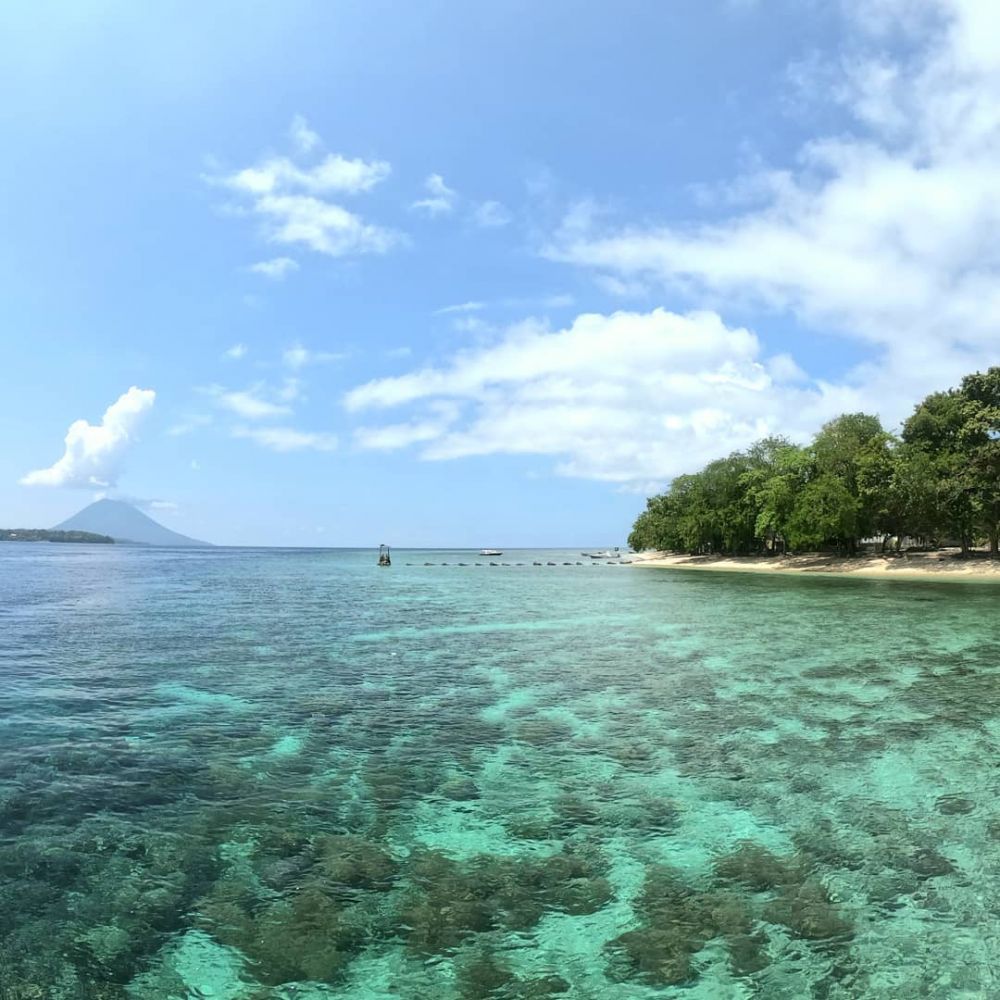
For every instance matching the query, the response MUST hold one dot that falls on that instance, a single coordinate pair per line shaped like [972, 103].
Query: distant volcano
[124, 523]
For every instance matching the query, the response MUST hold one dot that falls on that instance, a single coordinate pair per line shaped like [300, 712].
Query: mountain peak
[124, 523]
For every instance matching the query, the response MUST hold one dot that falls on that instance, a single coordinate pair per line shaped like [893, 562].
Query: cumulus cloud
[322, 226]
[332, 175]
[293, 202]
[94, 453]
[631, 398]
[287, 438]
[886, 233]
[277, 269]
[440, 200]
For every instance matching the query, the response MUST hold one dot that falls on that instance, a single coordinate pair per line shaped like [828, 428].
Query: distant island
[854, 487]
[105, 522]
[52, 535]
[125, 523]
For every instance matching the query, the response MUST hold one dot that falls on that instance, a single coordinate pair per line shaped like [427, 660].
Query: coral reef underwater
[274, 777]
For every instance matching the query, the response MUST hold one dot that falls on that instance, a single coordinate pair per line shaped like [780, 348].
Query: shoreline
[925, 566]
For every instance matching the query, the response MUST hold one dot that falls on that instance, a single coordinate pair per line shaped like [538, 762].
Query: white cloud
[470, 324]
[631, 398]
[394, 436]
[287, 438]
[556, 301]
[236, 352]
[189, 424]
[297, 356]
[94, 454]
[885, 234]
[334, 174]
[461, 307]
[303, 137]
[291, 390]
[249, 404]
[441, 200]
[490, 215]
[277, 269]
[293, 203]
[322, 226]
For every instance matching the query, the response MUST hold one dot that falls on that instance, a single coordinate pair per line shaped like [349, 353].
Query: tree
[940, 429]
[842, 449]
[979, 438]
[776, 474]
[825, 513]
[940, 482]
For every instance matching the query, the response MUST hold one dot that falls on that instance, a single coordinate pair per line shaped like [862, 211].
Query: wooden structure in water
[383, 556]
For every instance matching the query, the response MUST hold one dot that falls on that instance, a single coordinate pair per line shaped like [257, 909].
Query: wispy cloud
[277, 268]
[94, 453]
[286, 439]
[190, 424]
[470, 324]
[303, 137]
[143, 503]
[236, 352]
[461, 307]
[491, 215]
[441, 198]
[290, 390]
[297, 356]
[250, 404]
[293, 203]
[556, 301]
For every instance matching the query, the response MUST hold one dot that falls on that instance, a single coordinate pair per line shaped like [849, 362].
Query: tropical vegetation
[937, 482]
[46, 535]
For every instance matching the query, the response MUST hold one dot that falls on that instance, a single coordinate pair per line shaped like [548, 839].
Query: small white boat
[490, 552]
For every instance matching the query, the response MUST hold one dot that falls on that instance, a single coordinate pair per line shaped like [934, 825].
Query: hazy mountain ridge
[124, 523]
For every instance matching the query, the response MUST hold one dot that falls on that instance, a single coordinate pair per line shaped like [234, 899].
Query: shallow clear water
[290, 774]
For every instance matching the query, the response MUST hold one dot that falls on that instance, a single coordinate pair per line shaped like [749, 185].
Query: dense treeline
[46, 535]
[938, 482]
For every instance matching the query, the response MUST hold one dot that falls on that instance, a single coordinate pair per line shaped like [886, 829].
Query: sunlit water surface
[292, 774]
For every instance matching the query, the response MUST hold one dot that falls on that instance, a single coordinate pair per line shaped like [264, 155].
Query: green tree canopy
[938, 481]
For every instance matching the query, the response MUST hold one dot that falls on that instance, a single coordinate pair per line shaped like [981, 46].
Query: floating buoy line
[465, 565]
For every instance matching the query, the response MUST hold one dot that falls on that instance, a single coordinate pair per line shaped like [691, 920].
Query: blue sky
[463, 274]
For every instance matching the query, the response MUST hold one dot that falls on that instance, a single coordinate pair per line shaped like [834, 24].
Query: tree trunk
[994, 542]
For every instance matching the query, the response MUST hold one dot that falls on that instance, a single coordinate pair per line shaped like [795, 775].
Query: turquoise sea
[241, 773]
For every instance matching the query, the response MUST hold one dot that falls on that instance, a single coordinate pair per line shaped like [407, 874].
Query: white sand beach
[946, 564]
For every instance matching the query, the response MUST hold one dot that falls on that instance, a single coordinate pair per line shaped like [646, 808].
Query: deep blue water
[240, 773]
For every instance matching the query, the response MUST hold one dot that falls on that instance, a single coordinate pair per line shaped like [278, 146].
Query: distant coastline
[51, 535]
[944, 565]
